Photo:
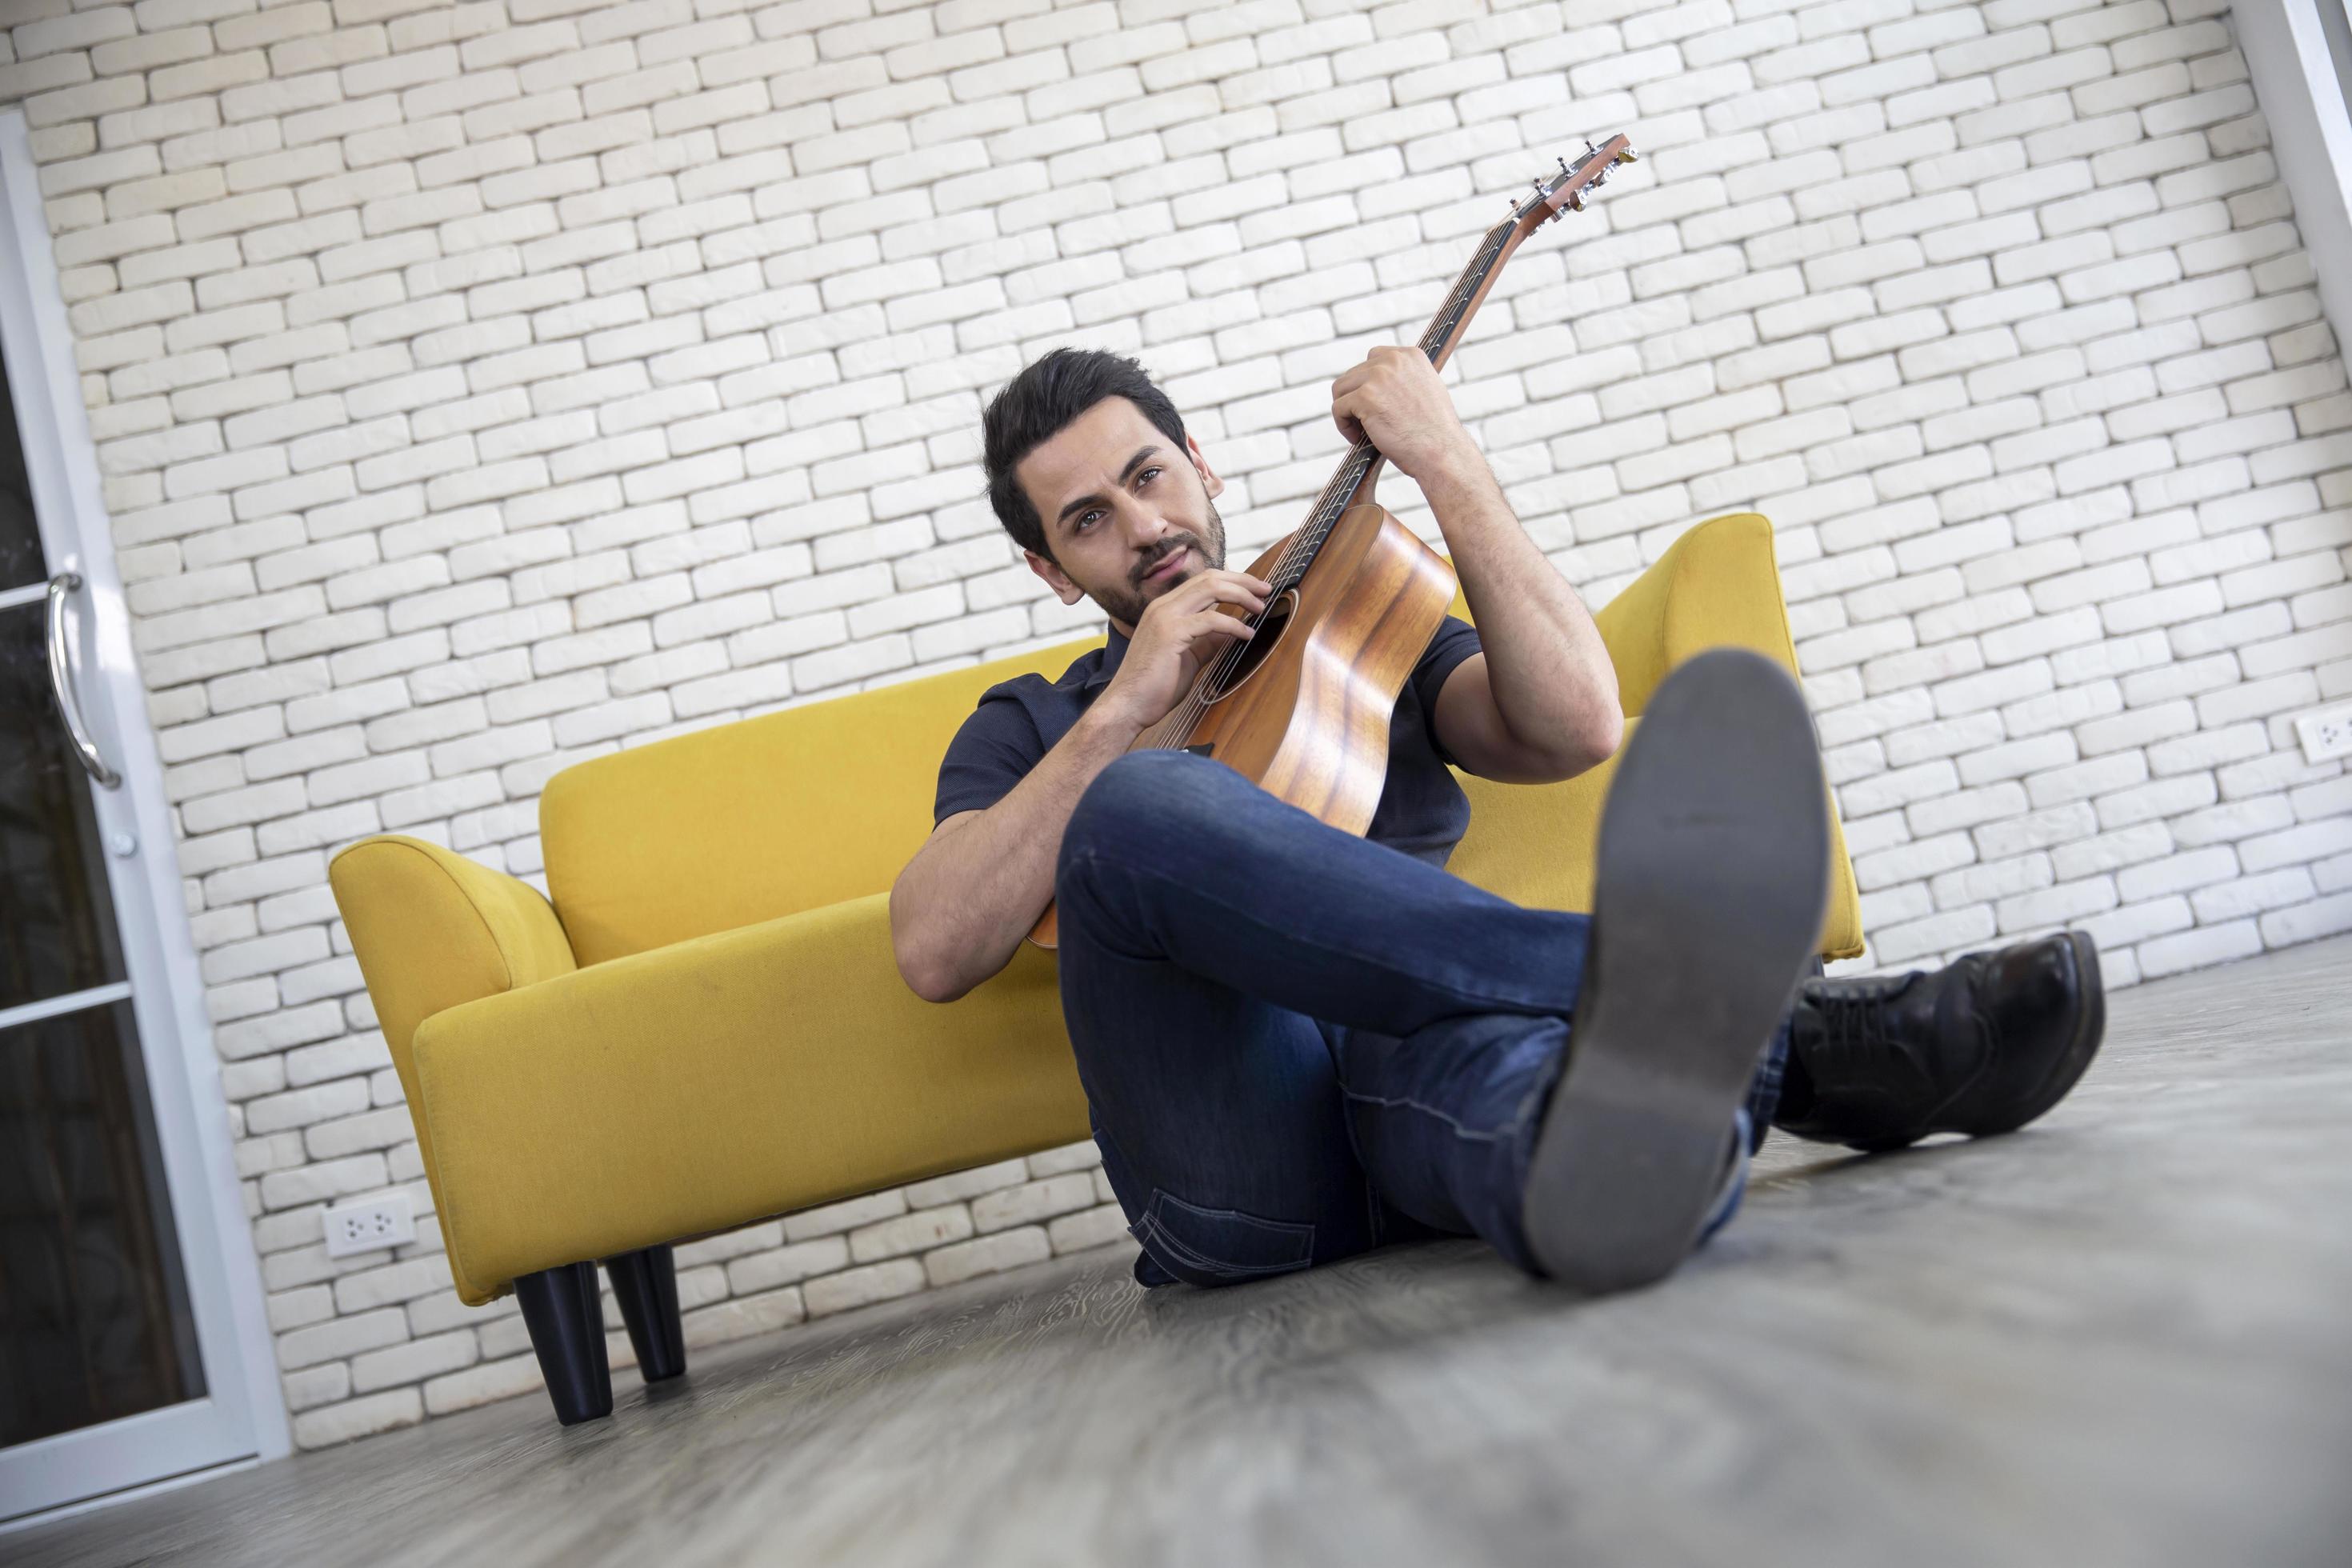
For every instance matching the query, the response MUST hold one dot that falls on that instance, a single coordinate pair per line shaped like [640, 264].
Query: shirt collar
[1114, 649]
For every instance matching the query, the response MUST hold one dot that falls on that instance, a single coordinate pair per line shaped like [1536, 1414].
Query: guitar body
[1305, 712]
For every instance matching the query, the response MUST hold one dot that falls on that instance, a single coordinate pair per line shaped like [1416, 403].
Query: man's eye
[1080, 525]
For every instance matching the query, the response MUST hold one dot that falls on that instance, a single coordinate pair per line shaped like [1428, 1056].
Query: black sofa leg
[645, 1284]
[566, 1318]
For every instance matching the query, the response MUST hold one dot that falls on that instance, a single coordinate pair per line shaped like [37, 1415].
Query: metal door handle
[61, 680]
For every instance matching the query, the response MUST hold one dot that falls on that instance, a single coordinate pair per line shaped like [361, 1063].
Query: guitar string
[1309, 538]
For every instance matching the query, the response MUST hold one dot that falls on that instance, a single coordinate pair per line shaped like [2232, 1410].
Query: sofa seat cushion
[723, 1080]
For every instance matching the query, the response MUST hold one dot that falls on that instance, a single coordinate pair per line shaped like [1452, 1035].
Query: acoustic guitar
[1302, 706]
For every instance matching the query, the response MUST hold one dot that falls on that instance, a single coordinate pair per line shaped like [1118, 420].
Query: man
[1298, 1044]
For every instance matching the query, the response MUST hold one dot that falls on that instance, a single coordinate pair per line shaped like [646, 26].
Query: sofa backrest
[758, 818]
[763, 818]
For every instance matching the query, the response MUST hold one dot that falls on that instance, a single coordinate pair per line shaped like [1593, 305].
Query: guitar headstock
[1565, 191]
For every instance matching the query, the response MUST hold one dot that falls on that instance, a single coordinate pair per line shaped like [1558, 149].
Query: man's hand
[1177, 632]
[1396, 398]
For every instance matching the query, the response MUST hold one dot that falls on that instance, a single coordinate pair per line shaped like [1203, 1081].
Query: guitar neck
[1445, 329]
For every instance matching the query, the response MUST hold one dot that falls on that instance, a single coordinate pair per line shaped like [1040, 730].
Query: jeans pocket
[1219, 1246]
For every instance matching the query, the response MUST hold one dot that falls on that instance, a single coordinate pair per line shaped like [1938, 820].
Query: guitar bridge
[1202, 750]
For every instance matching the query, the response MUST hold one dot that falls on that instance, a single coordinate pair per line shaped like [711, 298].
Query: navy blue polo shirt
[1421, 811]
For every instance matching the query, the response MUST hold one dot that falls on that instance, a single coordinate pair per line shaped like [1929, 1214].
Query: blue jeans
[1298, 1044]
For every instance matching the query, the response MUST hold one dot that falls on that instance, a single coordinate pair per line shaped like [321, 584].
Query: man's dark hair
[1042, 401]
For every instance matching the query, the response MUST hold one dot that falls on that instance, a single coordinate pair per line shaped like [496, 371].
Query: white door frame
[2298, 89]
[242, 1416]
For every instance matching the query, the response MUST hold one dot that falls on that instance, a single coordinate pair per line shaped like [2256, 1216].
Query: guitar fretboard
[1333, 503]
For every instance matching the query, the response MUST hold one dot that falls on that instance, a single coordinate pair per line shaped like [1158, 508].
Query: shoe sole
[1711, 886]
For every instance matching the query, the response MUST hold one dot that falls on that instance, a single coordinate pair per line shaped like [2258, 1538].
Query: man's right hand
[1176, 635]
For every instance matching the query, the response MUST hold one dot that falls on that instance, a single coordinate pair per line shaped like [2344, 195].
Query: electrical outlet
[2327, 735]
[364, 1227]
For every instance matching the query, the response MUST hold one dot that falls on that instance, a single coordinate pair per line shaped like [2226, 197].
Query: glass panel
[94, 1316]
[20, 541]
[58, 933]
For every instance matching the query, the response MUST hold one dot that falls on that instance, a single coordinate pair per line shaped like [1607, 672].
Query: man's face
[1119, 502]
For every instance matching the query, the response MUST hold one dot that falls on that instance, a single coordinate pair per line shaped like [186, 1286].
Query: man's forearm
[960, 909]
[1553, 682]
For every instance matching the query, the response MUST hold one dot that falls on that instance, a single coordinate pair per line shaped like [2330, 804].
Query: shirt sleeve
[994, 748]
[1457, 640]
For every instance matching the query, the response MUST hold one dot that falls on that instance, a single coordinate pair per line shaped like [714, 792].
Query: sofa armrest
[432, 928]
[723, 1080]
[1718, 584]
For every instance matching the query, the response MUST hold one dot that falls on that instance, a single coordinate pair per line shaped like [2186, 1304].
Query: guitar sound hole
[1253, 654]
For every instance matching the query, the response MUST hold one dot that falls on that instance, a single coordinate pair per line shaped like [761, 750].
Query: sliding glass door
[130, 1311]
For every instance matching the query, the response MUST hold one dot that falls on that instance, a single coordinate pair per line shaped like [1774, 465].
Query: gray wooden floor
[2121, 1336]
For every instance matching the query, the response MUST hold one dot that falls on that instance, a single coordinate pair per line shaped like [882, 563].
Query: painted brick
[482, 1383]
[360, 1417]
[414, 1362]
[969, 1184]
[911, 1232]
[987, 1254]
[1033, 1201]
[780, 1265]
[860, 1285]
[1095, 1226]
[342, 1337]
[741, 1316]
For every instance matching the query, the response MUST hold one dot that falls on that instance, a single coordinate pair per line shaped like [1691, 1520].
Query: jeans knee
[1120, 800]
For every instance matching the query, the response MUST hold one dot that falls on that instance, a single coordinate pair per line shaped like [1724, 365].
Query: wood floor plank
[2120, 1336]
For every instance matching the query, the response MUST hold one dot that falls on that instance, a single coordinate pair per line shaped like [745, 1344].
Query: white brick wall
[481, 385]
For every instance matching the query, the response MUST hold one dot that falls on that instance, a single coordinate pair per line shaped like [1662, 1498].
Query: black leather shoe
[1984, 1045]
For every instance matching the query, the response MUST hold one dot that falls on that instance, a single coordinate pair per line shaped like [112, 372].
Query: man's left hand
[1396, 398]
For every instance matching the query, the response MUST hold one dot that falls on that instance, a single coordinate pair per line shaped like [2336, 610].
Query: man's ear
[1069, 593]
[1209, 479]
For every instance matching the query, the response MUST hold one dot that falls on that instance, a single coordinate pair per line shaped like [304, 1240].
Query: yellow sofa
[706, 1027]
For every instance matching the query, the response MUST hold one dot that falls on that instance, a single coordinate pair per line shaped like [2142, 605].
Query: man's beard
[1129, 605]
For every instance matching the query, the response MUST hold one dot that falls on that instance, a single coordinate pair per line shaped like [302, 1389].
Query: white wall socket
[2328, 733]
[364, 1227]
